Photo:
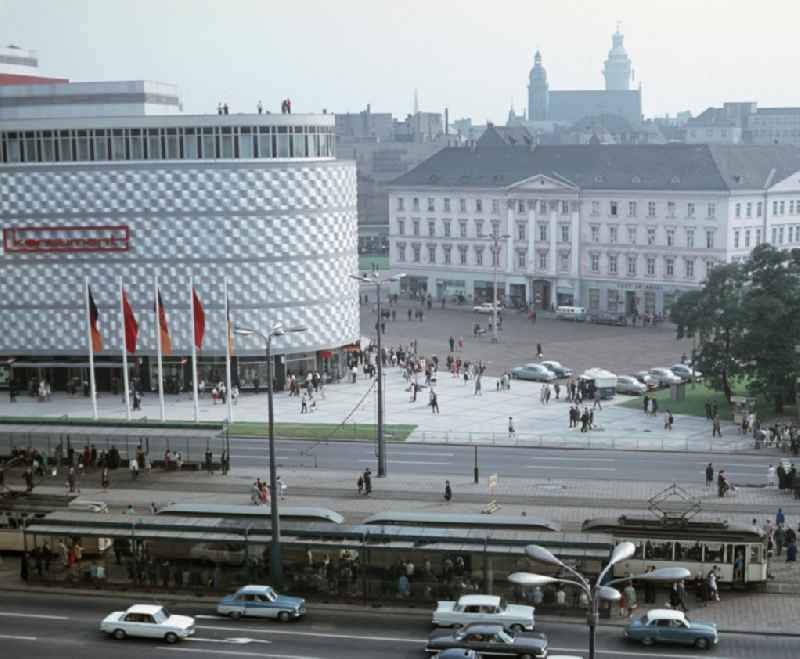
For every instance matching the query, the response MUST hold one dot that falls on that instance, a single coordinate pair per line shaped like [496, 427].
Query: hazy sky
[470, 56]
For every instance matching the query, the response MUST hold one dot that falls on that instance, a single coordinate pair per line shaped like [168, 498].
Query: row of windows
[651, 236]
[616, 300]
[779, 207]
[209, 142]
[449, 230]
[615, 209]
[785, 235]
[480, 256]
[631, 265]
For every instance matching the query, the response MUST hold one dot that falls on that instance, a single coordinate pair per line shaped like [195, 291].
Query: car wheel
[119, 634]
[283, 616]
[517, 629]
[171, 638]
[235, 614]
[526, 656]
[647, 641]
[701, 644]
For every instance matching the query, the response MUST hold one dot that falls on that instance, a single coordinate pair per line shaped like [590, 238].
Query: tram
[456, 521]
[738, 551]
[299, 514]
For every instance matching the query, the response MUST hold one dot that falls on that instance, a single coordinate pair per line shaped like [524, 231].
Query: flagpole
[92, 388]
[124, 351]
[194, 353]
[157, 309]
[228, 351]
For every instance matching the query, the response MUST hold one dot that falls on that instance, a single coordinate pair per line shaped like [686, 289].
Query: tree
[771, 315]
[712, 316]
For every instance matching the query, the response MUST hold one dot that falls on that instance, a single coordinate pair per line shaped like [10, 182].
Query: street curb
[323, 606]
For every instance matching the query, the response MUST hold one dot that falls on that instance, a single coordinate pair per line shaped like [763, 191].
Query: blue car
[670, 626]
[261, 602]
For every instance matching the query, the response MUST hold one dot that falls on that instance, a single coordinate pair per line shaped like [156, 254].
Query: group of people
[780, 534]
[260, 491]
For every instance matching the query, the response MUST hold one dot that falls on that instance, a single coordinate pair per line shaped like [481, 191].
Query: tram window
[695, 553]
[638, 553]
[756, 554]
[714, 552]
[681, 552]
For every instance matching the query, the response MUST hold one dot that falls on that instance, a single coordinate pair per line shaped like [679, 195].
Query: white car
[483, 609]
[147, 621]
[487, 307]
[686, 373]
[665, 377]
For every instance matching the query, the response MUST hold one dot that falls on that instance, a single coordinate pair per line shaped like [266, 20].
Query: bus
[698, 546]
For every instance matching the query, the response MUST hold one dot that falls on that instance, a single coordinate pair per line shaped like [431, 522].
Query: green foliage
[746, 321]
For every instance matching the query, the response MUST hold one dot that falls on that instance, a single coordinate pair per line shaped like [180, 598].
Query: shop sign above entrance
[44, 240]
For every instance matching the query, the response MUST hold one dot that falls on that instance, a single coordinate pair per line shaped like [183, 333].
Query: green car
[670, 626]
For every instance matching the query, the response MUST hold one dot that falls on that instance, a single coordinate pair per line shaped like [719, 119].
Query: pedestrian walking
[360, 484]
[709, 475]
[539, 351]
[434, 402]
[668, 420]
[367, 481]
[512, 433]
[716, 428]
[104, 479]
[597, 400]
[448, 491]
[646, 403]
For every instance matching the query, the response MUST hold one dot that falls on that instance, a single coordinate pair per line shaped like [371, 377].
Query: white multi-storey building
[619, 229]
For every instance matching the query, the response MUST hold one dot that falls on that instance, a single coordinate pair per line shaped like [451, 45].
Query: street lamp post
[495, 238]
[276, 568]
[377, 282]
[600, 590]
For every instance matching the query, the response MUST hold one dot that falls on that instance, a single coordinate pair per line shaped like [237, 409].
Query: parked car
[686, 373]
[489, 641]
[147, 621]
[485, 609]
[670, 626]
[533, 371]
[665, 377]
[557, 368]
[261, 602]
[647, 380]
[627, 384]
[486, 307]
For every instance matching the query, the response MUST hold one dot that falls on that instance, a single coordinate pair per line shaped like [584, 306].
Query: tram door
[738, 560]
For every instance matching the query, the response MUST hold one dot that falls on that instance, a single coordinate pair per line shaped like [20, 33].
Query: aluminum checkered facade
[282, 233]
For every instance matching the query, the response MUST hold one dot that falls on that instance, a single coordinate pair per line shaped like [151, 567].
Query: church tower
[617, 71]
[538, 91]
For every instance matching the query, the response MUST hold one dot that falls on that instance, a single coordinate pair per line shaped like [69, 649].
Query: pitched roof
[590, 167]
[505, 136]
[748, 166]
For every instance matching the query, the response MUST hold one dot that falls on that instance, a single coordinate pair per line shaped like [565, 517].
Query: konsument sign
[44, 240]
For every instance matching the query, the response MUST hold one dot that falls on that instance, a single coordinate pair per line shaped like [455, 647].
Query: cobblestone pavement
[577, 345]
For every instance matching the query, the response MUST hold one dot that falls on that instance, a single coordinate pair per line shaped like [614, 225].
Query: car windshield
[161, 615]
[504, 637]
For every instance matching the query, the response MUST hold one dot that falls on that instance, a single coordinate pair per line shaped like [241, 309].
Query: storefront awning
[97, 364]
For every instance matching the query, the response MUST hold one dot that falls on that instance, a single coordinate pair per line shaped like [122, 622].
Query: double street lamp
[600, 590]
[277, 329]
[377, 282]
[495, 238]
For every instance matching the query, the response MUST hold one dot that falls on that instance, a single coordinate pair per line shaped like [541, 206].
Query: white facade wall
[671, 250]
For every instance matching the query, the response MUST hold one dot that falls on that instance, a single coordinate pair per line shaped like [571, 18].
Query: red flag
[199, 320]
[97, 339]
[166, 341]
[131, 326]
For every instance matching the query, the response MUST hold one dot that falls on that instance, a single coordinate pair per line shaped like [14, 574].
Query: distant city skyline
[342, 56]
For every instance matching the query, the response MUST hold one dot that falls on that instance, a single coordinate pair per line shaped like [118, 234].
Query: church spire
[617, 70]
[416, 100]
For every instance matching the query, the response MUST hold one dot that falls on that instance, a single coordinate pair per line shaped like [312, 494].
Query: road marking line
[237, 653]
[427, 454]
[314, 634]
[576, 468]
[18, 638]
[39, 616]
[409, 462]
[539, 457]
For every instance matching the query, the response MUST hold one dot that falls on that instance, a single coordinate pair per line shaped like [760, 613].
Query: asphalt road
[34, 626]
[445, 459]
